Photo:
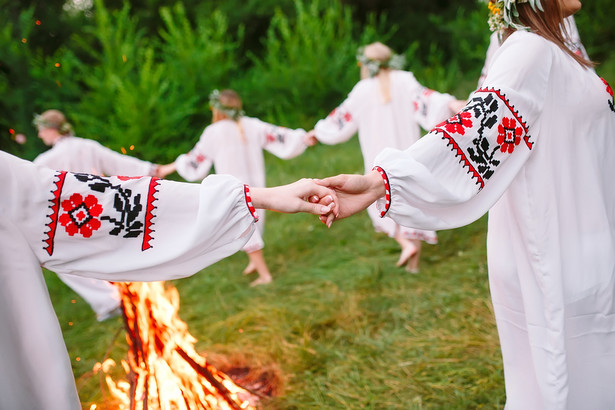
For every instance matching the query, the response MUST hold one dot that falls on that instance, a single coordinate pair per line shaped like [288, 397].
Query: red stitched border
[458, 152]
[246, 191]
[387, 190]
[514, 112]
[147, 234]
[55, 210]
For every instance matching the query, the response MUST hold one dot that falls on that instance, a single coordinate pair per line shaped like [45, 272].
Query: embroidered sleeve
[129, 228]
[437, 182]
[496, 130]
[195, 165]
[431, 107]
[387, 189]
[249, 204]
[454, 174]
[283, 142]
[342, 122]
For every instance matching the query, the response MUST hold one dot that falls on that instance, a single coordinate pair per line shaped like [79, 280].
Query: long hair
[381, 53]
[54, 119]
[550, 25]
[231, 99]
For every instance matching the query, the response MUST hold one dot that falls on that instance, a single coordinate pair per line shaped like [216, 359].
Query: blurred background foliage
[139, 73]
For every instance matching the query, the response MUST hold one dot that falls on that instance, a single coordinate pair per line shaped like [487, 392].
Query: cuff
[246, 191]
[387, 189]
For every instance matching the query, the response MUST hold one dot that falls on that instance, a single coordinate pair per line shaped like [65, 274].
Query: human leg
[257, 259]
[389, 227]
[413, 261]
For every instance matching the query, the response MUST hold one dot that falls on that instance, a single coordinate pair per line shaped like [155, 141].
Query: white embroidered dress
[395, 124]
[82, 155]
[117, 229]
[222, 145]
[535, 146]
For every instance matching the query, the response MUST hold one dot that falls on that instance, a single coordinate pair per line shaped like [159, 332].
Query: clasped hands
[331, 198]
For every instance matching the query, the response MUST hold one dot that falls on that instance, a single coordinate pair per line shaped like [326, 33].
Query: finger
[316, 209]
[331, 199]
[321, 192]
[332, 182]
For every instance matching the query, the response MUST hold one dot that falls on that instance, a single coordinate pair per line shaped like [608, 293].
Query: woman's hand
[164, 170]
[304, 195]
[354, 193]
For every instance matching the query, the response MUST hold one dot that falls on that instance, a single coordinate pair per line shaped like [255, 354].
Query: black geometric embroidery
[128, 207]
[484, 110]
[488, 113]
[275, 135]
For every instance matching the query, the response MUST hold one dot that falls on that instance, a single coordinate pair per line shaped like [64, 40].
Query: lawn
[341, 325]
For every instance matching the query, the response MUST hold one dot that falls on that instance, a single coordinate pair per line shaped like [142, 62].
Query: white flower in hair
[504, 13]
[395, 62]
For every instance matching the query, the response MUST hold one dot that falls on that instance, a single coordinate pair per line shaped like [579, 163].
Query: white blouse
[241, 155]
[535, 146]
[394, 124]
[113, 228]
[84, 155]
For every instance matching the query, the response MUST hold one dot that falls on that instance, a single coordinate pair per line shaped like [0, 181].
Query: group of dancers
[387, 108]
[533, 146]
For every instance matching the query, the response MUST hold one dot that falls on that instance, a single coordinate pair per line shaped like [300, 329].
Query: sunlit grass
[346, 328]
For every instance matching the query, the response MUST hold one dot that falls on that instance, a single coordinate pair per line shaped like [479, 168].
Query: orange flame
[164, 369]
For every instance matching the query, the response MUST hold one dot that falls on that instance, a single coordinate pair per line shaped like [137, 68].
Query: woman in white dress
[234, 145]
[535, 146]
[70, 153]
[109, 228]
[386, 107]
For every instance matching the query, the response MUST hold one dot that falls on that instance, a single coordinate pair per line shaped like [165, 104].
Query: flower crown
[65, 128]
[504, 13]
[231, 112]
[395, 62]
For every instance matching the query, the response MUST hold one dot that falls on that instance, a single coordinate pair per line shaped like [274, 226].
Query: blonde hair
[382, 54]
[230, 99]
[54, 119]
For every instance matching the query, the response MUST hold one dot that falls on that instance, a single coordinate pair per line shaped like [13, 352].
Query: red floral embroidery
[509, 135]
[270, 137]
[80, 216]
[458, 123]
[347, 117]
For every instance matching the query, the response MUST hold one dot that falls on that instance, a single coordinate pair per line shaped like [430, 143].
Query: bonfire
[163, 370]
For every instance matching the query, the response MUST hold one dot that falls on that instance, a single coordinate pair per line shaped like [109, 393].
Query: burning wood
[163, 369]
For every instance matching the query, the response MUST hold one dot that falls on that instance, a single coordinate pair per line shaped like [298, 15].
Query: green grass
[344, 326]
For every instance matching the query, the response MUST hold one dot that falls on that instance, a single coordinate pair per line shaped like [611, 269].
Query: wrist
[251, 197]
[380, 183]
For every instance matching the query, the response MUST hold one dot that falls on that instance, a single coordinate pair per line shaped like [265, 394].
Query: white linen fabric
[75, 154]
[535, 147]
[236, 148]
[394, 124]
[111, 228]
[570, 31]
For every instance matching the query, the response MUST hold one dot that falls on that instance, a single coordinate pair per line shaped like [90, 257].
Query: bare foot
[261, 281]
[249, 269]
[412, 270]
[406, 253]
